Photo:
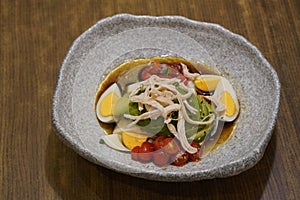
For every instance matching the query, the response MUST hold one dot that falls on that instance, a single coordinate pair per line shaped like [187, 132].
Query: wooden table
[34, 38]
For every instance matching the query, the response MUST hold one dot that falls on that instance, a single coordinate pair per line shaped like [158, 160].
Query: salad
[165, 111]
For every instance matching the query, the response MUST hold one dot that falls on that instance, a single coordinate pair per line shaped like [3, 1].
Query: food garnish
[165, 112]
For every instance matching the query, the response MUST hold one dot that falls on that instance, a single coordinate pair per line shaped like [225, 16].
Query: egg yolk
[107, 104]
[207, 84]
[227, 100]
[130, 140]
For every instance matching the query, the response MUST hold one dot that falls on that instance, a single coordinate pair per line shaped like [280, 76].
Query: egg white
[114, 141]
[223, 86]
[114, 88]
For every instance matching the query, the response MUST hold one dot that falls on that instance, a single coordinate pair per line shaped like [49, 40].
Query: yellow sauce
[226, 134]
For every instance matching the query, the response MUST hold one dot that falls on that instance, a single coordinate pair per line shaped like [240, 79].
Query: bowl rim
[233, 168]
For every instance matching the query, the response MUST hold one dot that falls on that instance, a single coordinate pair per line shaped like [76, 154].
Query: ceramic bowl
[114, 40]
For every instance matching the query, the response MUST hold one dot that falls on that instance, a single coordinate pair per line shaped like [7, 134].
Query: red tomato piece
[181, 160]
[195, 157]
[159, 142]
[135, 153]
[170, 146]
[148, 71]
[178, 67]
[160, 158]
[147, 146]
[145, 152]
[163, 70]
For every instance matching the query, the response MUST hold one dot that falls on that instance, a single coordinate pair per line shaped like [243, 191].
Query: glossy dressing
[134, 66]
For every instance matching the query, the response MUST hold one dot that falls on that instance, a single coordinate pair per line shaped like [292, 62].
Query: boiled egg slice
[131, 136]
[115, 142]
[123, 140]
[107, 102]
[224, 96]
[207, 83]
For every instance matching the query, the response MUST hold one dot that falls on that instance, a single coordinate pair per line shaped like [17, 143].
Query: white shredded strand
[182, 137]
[186, 73]
[156, 95]
[189, 107]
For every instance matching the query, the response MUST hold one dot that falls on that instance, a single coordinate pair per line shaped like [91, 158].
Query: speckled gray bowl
[123, 37]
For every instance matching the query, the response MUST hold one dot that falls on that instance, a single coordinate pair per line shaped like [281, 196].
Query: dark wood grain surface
[34, 38]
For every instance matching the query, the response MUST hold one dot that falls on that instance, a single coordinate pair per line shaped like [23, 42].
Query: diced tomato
[163, 70]
[170, 146]
[195, 157]
[178, 67]
[160, 158]
[145, 152]
[159, 142]
[181, 160]
[147, 146]
[164, 150]
[134, 153]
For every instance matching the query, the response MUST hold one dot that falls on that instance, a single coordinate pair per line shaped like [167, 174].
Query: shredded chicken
[156, 95]
[186, 73]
